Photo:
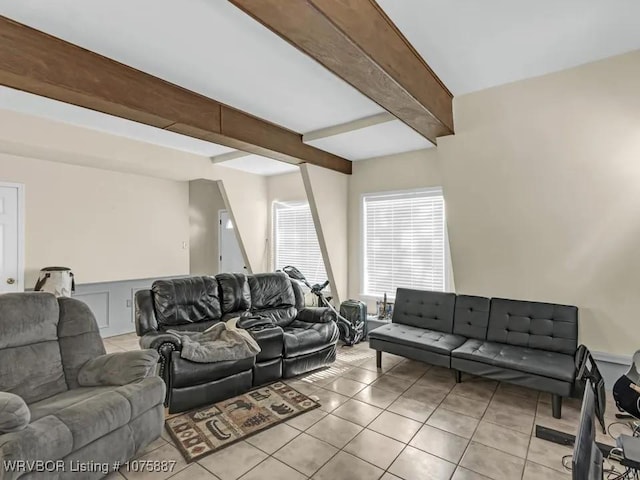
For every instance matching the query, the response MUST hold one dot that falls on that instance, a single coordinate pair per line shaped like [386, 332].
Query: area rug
[202, 431]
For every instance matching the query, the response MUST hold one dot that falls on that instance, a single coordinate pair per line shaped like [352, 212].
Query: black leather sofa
[293, 339]
[532, 344]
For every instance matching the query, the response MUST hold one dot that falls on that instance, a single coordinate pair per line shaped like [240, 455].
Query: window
[296, 242]
[404, 241]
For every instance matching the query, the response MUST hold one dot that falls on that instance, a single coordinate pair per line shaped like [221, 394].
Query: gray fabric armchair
[65, 399]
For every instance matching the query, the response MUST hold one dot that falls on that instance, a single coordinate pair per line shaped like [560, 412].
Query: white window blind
[296, 241]
[404, 241]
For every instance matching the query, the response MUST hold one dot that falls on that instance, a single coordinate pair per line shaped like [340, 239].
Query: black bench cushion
[424, 309]
[422, 338]
[471, 317]
[301, 338]
[234, 292]
[186, 300]
[537, 362]
[543, 326]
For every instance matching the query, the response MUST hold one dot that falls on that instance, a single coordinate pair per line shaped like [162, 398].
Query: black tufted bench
[532, 344]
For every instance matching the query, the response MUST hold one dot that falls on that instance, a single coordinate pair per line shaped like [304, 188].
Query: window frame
[428, 191]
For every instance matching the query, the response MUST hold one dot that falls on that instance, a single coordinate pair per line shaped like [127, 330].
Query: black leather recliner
[294, 339]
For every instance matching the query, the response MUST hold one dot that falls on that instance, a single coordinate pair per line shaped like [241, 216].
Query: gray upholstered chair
[62, 399]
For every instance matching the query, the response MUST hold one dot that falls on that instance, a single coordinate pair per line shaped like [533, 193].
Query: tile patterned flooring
[407, 421]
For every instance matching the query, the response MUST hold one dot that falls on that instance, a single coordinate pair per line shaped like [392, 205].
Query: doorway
[11, 237]
[231, 259]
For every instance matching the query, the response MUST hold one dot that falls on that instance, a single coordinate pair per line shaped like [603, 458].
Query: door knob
[11, 281]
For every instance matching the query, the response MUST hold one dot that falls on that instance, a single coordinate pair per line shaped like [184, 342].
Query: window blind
[296, 241]
[404, 241]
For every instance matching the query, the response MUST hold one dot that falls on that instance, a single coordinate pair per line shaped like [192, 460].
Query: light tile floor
[407, 421]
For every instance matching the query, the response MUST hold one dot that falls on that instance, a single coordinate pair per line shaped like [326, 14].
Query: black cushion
[271, 290]
[186, 300]
[280, 316]
[544, 326]
[185, 373]
[235, 295]
[438, 342]
[301, 338]
[538, 362]
[471, 317]
[424, 309]
[298, 292]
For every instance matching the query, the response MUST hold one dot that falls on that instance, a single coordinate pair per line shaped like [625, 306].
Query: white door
[231, 259]
[11, 279]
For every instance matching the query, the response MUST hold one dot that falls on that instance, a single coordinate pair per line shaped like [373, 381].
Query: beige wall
[205, 202]
[327, 191]
[542, 183]
[406, 171]
[64, 146]
[105, 225]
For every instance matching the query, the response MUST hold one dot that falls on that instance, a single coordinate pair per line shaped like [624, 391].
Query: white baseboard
[612, 358]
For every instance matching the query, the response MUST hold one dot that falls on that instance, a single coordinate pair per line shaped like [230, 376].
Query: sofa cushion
[186, 300]
[14, 413]
[271, 290]
[422, 338]
[471, 317]
[282, 317]
[235, 295]
[301, 338]
[90, 413]
[424, 309]
[543, 326]
[79, 337]
[30, 361]
[537, 362]
[119, 368]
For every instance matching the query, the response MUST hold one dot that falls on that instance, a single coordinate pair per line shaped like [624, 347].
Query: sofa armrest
[316, 315]
[156, 340]
[119, 368]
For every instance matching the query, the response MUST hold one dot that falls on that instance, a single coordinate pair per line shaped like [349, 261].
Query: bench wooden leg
[556, 406]
[458, 376]
[378, 358]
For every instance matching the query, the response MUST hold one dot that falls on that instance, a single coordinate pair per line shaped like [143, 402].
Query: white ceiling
[260, 165]
[35, 105]
[373, 141]
[211, 47]
[473, 45]
[208, 46]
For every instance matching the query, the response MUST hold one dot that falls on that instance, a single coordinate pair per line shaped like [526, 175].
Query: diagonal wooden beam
[358, 42]
[38, 63]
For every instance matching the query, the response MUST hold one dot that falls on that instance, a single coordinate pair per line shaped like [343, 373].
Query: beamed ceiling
[262, 86]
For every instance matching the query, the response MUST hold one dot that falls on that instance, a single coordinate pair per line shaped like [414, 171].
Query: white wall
[419, 169]
[327, 191]
[205, 203]
[542, 183]
[105, 225]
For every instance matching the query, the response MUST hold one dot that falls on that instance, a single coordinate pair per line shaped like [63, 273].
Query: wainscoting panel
[113, 303]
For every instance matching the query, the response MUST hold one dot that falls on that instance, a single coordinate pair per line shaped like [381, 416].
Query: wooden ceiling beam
[35, 62]
[358, 42]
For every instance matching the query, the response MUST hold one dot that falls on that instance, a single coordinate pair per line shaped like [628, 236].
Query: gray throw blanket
[219, 343]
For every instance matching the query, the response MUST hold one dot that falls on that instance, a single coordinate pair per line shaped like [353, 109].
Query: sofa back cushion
[424, 309]
[79, 337]
[186, 300]
[30, 361]
[544, 326]
[235, 295]
[471, 317]
[271, 290]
